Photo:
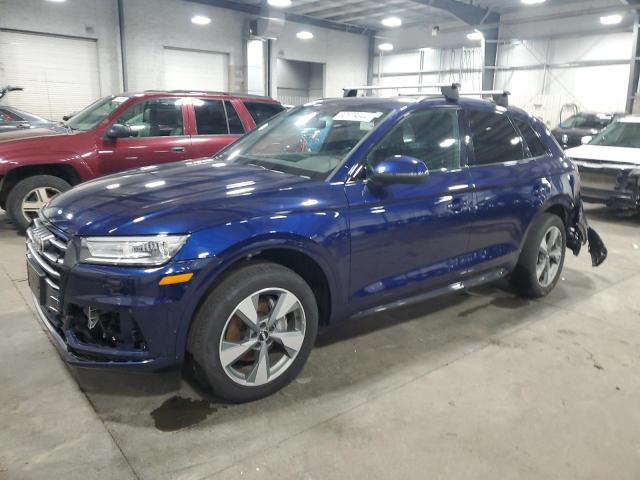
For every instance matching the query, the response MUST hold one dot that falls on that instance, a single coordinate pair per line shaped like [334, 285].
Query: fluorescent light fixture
[611, 19]
[58, 1]
[279, 3]
[200, 20]
[533, 2]
[392, 22]
[304, 35]
[475, 35]
[386, 47]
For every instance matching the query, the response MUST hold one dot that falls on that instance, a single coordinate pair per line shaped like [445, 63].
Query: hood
[174, 198]
[605, 154]
[30, 133]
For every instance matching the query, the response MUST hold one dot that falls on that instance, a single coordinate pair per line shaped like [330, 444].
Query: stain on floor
[177, 413]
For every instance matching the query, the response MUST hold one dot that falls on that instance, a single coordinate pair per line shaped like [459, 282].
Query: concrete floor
[475, 385]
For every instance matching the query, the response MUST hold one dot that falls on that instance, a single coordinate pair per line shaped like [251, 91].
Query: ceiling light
[58, 1]
[533, 2]
[200, 20]
[611, 19]
[392, 22]
[279, 3]
[475, 35]
[304, 35]
[386, 47]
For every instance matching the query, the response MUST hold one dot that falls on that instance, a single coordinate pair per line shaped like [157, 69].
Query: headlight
[151, 250]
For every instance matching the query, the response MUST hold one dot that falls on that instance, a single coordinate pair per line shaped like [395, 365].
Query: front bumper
[103, 316]
[609, 183]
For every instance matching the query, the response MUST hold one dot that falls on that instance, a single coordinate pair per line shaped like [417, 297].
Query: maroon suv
[119, 133]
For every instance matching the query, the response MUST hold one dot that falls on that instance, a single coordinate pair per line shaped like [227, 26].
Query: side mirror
[586, 139]
[69, 116]
[399, 169]
[117, 130]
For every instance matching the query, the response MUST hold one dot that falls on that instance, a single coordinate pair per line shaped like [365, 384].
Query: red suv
[119, 133]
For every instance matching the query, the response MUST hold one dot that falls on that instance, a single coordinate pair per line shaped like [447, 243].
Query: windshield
[596, 122]
[95, 113]
[309, 141]
[619, 134]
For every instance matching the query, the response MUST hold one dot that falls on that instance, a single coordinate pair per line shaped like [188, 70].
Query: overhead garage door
[195, 70]
[59, 74]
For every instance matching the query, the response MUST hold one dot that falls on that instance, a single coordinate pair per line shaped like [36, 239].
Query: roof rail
[449, 90]
[500, 97]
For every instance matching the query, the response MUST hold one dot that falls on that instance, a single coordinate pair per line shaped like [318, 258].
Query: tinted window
[210, 117]
[235, 125]
[494, 138]
[7, 116]
[155, 118]
[430, 135]
[536, 147]
[261, 112]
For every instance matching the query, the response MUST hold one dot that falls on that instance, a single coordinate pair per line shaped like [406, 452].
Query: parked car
[12, 119]
[609, 165]
[118, 133]
[570, 132]
[233, 262]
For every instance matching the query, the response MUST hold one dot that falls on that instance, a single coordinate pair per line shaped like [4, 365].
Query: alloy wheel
[549, 257]
[35, 200]
[262, 337]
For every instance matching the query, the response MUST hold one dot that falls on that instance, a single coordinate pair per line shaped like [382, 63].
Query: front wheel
[254, 332]
[542, 257]
[28, 196]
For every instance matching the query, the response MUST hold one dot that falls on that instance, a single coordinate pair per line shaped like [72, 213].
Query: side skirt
[487, 277]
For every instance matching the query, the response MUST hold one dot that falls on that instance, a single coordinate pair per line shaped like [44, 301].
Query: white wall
[152, 25]
[95, 19]
[345, 55]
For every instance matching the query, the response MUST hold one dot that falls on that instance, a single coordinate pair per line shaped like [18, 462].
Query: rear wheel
[542, 258]
[254, 332]
[28, 196]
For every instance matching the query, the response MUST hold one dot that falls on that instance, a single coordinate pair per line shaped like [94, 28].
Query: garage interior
[478, 384]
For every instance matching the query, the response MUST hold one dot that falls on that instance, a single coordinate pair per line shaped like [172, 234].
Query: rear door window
[261, 112]
[211, 118]
[495, 140]
[235, 125]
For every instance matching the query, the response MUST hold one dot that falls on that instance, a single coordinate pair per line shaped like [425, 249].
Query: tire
[218, 325]
[33, 190]
[526, 276]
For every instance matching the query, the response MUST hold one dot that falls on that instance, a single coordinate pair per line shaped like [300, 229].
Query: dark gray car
[12, 119]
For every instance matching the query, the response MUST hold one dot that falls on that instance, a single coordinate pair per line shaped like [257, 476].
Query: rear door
[508, 183]
[159, 136]
[216, 124]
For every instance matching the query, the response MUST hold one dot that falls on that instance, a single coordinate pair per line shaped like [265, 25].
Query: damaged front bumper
[614, 184]
[580, 233]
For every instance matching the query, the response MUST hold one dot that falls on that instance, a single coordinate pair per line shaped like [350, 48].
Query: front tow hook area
[579, 233]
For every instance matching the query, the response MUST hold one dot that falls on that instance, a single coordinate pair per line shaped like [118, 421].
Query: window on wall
[495, 140]
[536, 147]
[210, 117]
[261, 112]
[430, 135]
[155, 118]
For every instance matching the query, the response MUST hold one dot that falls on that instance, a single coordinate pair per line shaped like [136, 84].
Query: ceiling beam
[469, 14]
[291, 17]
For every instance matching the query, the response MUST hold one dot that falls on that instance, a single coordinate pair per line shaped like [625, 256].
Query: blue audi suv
[333, 209]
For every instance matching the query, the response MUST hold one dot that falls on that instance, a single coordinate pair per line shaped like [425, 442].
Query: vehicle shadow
[347, 356]
[620, 216]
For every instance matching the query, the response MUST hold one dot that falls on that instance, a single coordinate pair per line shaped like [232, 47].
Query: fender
[219, 265]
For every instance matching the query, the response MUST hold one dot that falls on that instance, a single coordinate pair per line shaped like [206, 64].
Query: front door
[158, 137]
[409, 237]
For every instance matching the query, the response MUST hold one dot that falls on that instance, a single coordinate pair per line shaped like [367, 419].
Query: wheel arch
[67, 172]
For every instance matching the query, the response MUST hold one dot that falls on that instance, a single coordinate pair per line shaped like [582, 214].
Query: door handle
[177, 149]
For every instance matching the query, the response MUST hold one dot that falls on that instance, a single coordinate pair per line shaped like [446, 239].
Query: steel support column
[123, 46]
[490, 56]
[634, 71]
[371, 58]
